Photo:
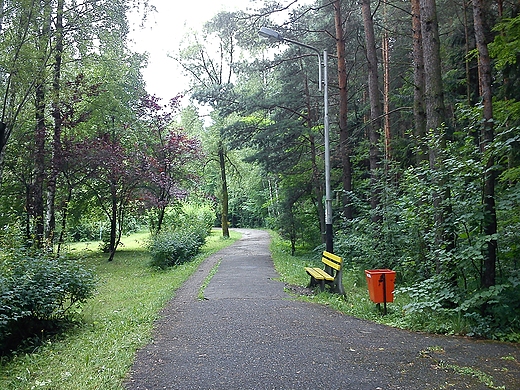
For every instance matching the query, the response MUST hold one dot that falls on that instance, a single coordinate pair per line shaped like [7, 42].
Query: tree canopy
[424, 135]
[424, 114]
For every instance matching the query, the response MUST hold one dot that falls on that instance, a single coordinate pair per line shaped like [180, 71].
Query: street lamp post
[268, 33]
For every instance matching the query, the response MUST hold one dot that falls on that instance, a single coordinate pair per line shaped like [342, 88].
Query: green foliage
[97, 353]
[424, 307]
[289, 265]
[196, 216]
[171, 248]
[87, 230]
[439, 306]
[37, 291]
[506, 46]
[429, 295]
[296, 222]
[185, 236]
[495, 312]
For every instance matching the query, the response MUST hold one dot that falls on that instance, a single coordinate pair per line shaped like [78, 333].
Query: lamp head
[268, 33]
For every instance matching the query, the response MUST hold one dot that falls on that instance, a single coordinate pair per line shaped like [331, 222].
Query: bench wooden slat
[318, 273]
[313, 273]
[332, 260]
[332, 256]
[333, 264]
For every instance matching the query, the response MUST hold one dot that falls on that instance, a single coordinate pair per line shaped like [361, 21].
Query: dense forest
[422, 126]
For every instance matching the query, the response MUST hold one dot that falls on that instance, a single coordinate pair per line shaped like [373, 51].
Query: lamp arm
[310, 48]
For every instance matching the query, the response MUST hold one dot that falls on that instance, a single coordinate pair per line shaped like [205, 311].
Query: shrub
[175, 247]
[37, 292]
[87, 229]
[438, 306]
[185, 237]
[196, 217]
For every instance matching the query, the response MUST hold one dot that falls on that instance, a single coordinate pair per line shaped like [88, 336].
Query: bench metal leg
[313, 283]
[338, 283]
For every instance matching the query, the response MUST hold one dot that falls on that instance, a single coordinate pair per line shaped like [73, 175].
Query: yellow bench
[332, 275]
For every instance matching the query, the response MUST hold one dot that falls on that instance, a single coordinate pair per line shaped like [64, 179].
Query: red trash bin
[380, 285]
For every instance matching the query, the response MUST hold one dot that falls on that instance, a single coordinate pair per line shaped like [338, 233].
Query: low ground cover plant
[39, 293]
[97, 352]
[419, 307]
[183, 237]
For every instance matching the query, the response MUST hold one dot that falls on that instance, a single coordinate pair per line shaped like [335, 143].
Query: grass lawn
[356, 301]
[99, 351]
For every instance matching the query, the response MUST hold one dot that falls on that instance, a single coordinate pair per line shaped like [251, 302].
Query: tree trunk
[485, 80]
[40, 130]
[386, 92]
[113, 222]
[39, 161]
[467, 55]
[419, 109]
[1, 18]
[434, 95]
[386, 97]
[435, 114]
[64, 215]
[344, 136]
[225, 195]
[160, 218]
[374, 126]
[3, 142]
[40, 135]
[57, 115]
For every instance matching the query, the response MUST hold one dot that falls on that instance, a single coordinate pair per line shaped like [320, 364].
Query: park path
[249, 334]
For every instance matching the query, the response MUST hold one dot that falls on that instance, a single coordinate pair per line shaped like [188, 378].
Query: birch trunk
[50, 224]
[419, 109]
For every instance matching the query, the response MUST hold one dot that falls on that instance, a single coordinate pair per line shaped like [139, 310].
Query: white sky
[163, 33]
[165, 30]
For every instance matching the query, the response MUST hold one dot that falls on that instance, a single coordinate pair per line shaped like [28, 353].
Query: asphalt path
[248, 333]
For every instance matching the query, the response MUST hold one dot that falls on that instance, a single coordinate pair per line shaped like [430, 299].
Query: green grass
[208, 278]
[432, 352]
[356, 301]
[99, 351]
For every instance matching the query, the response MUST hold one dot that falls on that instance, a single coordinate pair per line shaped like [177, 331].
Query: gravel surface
[248, 333]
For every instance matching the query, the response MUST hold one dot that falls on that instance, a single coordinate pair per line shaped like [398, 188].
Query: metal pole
[329, 245]
[384, 291]
[269, 33]
[319, 58]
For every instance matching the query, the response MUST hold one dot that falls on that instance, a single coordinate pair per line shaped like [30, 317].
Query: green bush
[185, 236]
[86, 230]
[196, 217]
[175, 247]
[436, 305]
[37, 292]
